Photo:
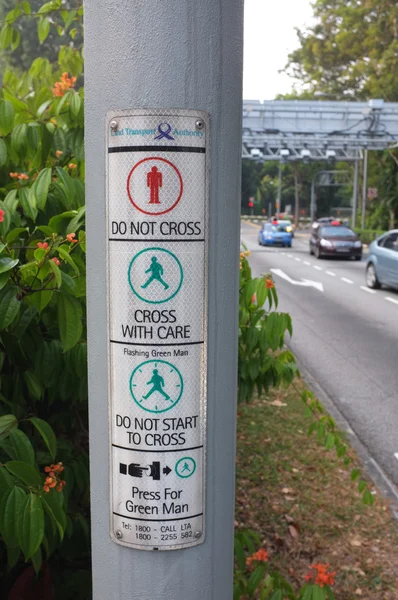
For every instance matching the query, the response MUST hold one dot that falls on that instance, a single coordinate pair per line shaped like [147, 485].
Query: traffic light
[251, 204]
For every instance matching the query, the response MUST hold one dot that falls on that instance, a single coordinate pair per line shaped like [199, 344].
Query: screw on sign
[154, 186]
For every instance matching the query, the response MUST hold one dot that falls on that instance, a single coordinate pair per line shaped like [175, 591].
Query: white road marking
[331, 273]
[366, 289]
[290, 256]
[298, 259]
[303, 282]
[393, 300]
[307, 263]
[346, 280]
[318, 268]
[396, 455]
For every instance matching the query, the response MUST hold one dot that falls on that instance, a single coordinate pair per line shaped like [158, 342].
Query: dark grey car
[382, 262]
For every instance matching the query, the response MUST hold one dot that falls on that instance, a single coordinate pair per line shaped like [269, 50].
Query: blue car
[272, 235]
[382, 263]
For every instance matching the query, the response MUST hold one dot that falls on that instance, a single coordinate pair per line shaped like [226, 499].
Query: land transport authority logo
[156, 386]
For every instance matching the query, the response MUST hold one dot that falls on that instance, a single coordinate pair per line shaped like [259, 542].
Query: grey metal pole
[176, 54]
[364, 187]
[279, 197]
[355, 194]
[296, 197]
[312, 207]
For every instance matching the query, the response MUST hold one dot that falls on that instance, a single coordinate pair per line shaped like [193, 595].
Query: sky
[269, 37]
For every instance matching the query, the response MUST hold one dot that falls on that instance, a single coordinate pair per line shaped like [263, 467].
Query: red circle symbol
[151, 186]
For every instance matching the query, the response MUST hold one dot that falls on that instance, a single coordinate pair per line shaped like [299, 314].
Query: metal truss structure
[285, 130]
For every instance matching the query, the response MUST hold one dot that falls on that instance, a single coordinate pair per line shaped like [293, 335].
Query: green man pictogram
[157, 382]
[156, 271]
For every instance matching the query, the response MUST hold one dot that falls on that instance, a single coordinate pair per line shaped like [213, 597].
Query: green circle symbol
[156, 386]
[156, 274]
[185, 465]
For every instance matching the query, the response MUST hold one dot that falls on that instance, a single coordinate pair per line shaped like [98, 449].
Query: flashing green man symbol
[156, 271]
[156, 385]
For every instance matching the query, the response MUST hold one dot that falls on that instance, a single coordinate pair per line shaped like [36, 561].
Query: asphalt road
[345, 336]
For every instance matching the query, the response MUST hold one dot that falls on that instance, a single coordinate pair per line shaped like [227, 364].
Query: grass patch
[300, 499]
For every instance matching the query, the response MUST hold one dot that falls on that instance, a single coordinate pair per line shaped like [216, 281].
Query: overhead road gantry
[306, 130]
[292, 130]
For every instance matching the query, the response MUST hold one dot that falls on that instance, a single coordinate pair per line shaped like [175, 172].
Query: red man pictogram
[154, 182]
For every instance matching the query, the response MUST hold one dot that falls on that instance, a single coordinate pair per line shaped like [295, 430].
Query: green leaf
[68, 283]
[255, 579]
[27, 474]
[18, 447]
[41, 187]
[19, 138]
[355, 474]
[47, 434]
[33, 384]
[3, 152]
[10, 510]
[368, 498]
[37, 561]
[9, 306]
[82, 240]
[7, 424]
[52, 503]
[69, 186]
[69, 320]
[15, 233]
[31, 525]
[75, 104]
[58, 223]
[43, 28]
[16, 39]
[4, 277]
[6, 36]
[57, 273]
[39, 300]
[64, 254]
[24, 322]
[28, 203]
[6, 483]
[39, 254]
[26, 7]
[6, 263]
[77, 221]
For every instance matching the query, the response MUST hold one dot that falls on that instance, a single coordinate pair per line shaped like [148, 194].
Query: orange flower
[56, 261]
[260, 556]
[42, 245]
[14, 175]
[254, 298]
[2, 213]
[62, 86]
[269, 284]
[52, 480]
[70, 237]
[23, 176]
[72, 166]
[321, 576]
[58, 153]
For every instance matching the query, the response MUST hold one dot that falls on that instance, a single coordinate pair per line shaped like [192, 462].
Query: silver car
[382, 263]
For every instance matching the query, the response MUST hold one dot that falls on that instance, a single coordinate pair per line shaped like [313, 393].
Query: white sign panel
[157, 207]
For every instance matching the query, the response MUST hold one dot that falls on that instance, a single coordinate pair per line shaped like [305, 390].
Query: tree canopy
[351, 50]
